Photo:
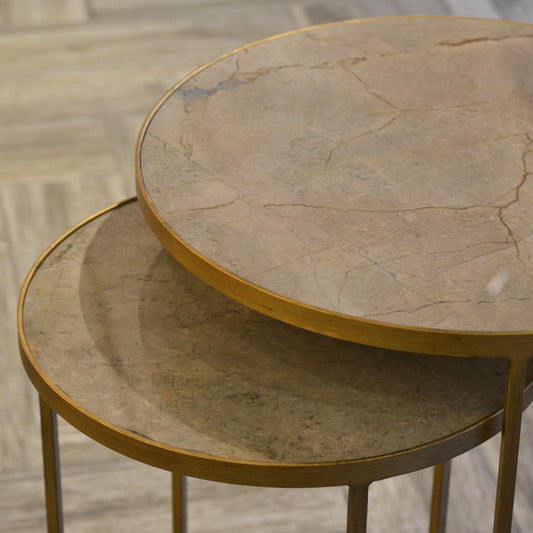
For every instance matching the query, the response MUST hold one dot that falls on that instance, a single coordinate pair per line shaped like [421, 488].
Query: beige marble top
[378, 169]
[126, 333]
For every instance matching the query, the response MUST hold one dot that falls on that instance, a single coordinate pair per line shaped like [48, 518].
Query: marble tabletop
[128, 345]
[375, 171]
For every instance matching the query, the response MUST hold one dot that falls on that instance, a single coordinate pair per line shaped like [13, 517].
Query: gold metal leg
[179, 503]
[52, 478]
[357, 509]
[439, 499]
[512, 419]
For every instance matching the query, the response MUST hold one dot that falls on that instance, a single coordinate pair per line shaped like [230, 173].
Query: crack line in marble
[416, 309]
[474, 104]
[483, 39]
[347, 272]
[431, 108]
[233, 221]
[470, 259]
[525, 173]
[370, 91]
[187, 147]
[51, 299]
[443, 319]
[317, 281]
[485, 142]
[255, 151]
[391, 211]
[340, 63]
[369, 132]
[446, 302]
[396, 52]
[511, 236]
[303, 256]
[393, 260]
[158, 139]
[393, 275]
[213, 206]
[296, 234]
[516, 189]
[55, 259]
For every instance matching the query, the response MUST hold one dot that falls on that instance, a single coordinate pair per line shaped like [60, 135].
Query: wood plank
[16, 14]
[323, 12]
[55, 174]
[120, 65]
[122, 132]
[19, 437]
[112, 6]
[128, 496]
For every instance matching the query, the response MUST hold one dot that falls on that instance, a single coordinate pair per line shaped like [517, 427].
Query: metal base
[512, 421]
[179, 503]
[52, 475]
[439, 499]
[357, 509]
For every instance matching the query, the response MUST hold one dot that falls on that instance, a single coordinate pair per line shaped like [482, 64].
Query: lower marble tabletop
[144, 357]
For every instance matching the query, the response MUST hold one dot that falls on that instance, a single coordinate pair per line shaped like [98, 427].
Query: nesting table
[351, 212]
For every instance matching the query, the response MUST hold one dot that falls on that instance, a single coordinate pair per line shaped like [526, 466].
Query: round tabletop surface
[134, 350]
[360, 179]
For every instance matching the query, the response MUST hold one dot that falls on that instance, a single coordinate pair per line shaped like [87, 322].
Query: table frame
[515, 347]
[196, 465]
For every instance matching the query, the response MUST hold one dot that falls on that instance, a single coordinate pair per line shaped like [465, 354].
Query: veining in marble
[375, 168]
[128, 334]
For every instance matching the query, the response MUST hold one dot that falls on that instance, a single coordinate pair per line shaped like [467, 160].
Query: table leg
[512, 419]
[357, 509]
[52, 477]
[179, 503]
[439, 499]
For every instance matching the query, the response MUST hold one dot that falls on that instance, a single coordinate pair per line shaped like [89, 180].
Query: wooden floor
[77, 77]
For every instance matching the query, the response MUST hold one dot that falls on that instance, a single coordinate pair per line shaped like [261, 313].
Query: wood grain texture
[75, 86]
[17, 14]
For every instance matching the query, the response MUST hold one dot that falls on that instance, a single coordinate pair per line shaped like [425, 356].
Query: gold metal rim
[510, 345]
[272, 474]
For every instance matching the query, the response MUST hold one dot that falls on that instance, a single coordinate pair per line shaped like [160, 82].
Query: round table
[142, 356]
[368, 180]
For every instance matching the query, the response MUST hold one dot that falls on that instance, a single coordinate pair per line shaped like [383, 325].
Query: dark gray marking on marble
[190, 94]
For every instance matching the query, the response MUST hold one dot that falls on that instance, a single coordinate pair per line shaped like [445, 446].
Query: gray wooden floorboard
[77, 78]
